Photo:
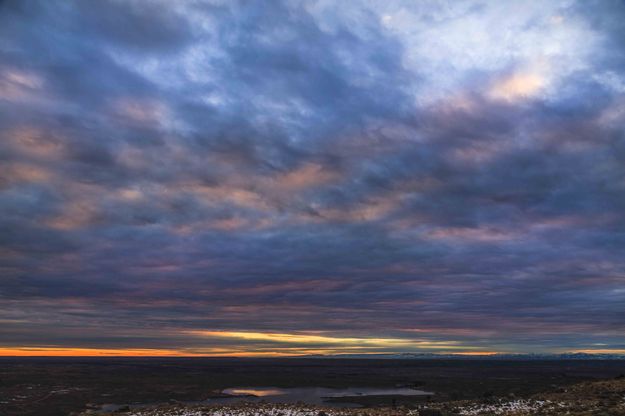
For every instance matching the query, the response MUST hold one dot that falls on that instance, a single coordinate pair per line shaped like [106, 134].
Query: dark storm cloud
[176, 176]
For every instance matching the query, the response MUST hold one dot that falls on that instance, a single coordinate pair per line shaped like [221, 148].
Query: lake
[312, 395]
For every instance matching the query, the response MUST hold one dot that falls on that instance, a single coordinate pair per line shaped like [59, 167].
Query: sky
[311, 177]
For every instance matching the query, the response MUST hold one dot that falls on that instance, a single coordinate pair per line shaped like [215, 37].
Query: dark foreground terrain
[48, 386]
[596, 398]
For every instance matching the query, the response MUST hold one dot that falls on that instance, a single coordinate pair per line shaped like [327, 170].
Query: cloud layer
[227, 177]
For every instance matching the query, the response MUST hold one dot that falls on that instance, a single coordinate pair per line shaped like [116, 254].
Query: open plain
[60, 386]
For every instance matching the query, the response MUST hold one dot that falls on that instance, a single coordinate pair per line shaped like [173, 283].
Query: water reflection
[255, 391]
[311, 395]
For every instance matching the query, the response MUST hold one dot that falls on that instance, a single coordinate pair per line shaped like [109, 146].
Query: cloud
[518, 86]
[449, 177]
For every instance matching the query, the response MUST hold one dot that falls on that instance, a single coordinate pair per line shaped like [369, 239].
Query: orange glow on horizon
[147, 352]
[104, 352]
[224, 352]
[138, 352]
[83, 352]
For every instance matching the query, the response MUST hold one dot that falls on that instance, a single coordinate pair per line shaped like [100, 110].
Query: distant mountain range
[433, 356]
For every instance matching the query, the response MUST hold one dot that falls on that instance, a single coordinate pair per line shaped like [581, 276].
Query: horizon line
[52, 352]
